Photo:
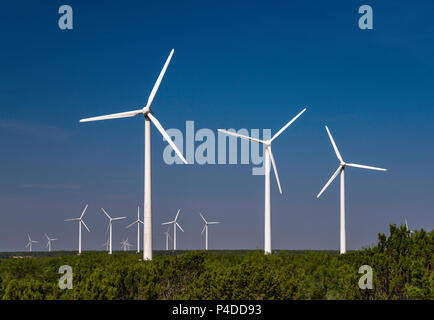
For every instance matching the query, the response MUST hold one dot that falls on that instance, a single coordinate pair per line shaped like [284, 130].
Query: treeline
[402, 267]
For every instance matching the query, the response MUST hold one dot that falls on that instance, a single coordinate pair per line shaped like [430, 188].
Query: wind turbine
[268, 156]
[80, 221]
[125, 245]
[106, 244]
[109, 227]
[205, 228]
[138, 221]
[175, 224]
[407, 228]
[29, 244]
[49, 242]
[167, 239]
[341, 170]
[146, 112]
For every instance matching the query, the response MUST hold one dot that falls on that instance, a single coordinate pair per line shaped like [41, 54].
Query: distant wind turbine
[148, 114]
[106, 244]
[138, 221]
[407, 228]
[268, 156]
[167, 239]
[29, 244]
[125, 245]
[49, 242]
[341, 170]
[80, 221]
[205, 228]
[175, 225]
[110, 226]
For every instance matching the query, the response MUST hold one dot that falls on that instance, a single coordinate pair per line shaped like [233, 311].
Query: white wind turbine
[205, 228]
[29, 244]
[407, 228]
[110, 226]
[125, 245]
[167, 239]
[146, 112]
[268, 156]
[80, 221]
[341, 170]
[49, 242]
[138, 221]
[175, 224]
[106, 244]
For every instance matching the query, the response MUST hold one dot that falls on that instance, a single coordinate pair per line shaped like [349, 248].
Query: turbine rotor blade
[170, 222]
[85, 225]
[215, 222]
[177, 214]
[160, 77]
[274, 168]
[166, 136]
[203, 218]
[108, 216]
[240, 136]
[46, 236]
[118, 218]
[108, 227]
[73, 219]
[114, 116]
[330, 180]
[203, 229]
[364, 167]
[179, 226]
[287, 125]
[131, 224]
[334, 145]
[85, 208]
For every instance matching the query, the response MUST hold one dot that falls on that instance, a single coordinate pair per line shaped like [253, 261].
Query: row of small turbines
[124, 243]
[150, 118]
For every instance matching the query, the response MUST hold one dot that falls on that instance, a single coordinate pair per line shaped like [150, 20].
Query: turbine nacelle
[146, 110]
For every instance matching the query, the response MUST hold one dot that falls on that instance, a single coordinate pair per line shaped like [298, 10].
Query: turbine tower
[167, 239]
[138, 221]
[268, 156]
[110, 226]
[49, 242]
[175, 225]
[205, 228]
[341, 170]
[149, 117]
[80, 222]
[29, 244]
[125, 245]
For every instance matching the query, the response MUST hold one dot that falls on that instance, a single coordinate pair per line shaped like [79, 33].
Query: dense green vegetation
[402, 269]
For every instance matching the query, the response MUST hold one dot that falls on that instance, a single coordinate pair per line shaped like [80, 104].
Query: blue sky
[243, 64]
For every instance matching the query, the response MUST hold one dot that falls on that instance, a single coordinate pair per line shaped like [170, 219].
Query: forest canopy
[402, 266]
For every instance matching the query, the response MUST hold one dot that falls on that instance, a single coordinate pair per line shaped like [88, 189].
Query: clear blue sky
[243, 64]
